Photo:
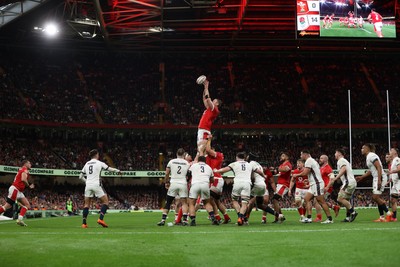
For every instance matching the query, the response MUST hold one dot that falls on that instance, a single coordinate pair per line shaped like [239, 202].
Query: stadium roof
[173, 25]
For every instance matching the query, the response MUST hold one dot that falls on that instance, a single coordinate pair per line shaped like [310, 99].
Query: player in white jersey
[241, 183]
[258, 190]
[316, 189]
[349, 184]
[202, 176]
[394, 178]
[379, 181]
[176, 184]
[91, 176]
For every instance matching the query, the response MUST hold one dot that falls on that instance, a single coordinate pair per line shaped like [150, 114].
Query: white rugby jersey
[242, 171]
[371, 158]
[201, 173]
[395, 164]
[92, 170]
[258, 178]
[348, 177]
[314, 176]
[179, 168]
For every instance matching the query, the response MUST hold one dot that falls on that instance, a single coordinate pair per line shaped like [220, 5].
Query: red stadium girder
[207, 24]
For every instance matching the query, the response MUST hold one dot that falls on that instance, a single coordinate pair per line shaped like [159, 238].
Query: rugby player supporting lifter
[207, 119]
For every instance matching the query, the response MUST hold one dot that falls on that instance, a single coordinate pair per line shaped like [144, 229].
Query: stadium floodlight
[51, 29]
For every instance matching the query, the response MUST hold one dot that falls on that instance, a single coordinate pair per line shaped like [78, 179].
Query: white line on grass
[202, 232]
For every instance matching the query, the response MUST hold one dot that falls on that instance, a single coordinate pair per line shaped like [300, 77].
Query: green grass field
[134, 239]
[388, 31]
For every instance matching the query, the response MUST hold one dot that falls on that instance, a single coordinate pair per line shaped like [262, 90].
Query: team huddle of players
[351, 21]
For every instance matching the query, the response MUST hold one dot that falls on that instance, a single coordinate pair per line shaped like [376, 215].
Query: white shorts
[94, 191]
[281, 190]
[375, 189]
[202, 135]
[378, 26]
[347, 192]
[300, 193]
[200, 189]
[258, 190]
[14, 194]
[218, 185]
[242, 189]
[316, 189]
[178, 190]
[395, 190]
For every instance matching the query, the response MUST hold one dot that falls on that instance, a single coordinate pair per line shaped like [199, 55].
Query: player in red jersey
[376, 19]
[16, 192]
[326, 173]
[302, 186]
[215, 159]
[207, 119]
[282, 187]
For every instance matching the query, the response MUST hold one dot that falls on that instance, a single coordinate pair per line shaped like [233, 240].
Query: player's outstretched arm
[206, 96]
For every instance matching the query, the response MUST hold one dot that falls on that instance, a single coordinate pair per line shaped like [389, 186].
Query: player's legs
[25, 205]
[265, 202]
[393, 201]
[281, 191]
[85, 211]
[307, 200]
[321, 201]
[299, 202]
[185, 209]
[209, 208]
[318, 210]
[192, 210]
[376, 197]
[13, 195]
[382, 208]
[5, 207]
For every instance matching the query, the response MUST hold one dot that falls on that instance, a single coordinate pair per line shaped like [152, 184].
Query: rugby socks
[179, 217]
[226, 217]
[1, 209]
[330, 218]
[192, 218]
[217, 217]
[264, 218]
[301, 211]
[85, 213]
[394, 214]
[382, 208]
[271, 211]
[103, 211]
[184, 217]
[22, 213]
[319, 217]
[164, 217]
[212, 215]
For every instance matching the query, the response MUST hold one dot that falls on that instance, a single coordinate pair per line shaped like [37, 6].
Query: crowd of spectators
[152, 151]
[135, 89]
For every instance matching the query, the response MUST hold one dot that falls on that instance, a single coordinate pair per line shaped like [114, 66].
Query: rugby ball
[201, 79]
